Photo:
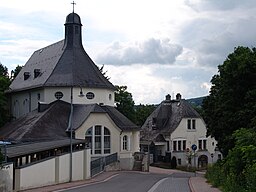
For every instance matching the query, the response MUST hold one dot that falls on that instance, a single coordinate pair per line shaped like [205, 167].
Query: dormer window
[26, 75]
[37, 72]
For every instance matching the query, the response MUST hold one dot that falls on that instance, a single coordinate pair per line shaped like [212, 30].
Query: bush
[215, 174]
[237, 172]
[250, 176]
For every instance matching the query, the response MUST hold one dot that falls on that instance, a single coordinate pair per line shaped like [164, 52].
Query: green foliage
[216, 174]
[238, 171]
[124, 102]
[231, 103]
[3, 70]
[142, 112]
[4, 84]
[15, 72]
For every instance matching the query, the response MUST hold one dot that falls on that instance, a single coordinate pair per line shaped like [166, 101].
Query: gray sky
[154, 47]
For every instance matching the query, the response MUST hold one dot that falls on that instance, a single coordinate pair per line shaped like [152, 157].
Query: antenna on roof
[73, 3]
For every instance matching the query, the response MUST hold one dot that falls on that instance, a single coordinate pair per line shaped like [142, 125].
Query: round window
[89, 95]
[58, 95]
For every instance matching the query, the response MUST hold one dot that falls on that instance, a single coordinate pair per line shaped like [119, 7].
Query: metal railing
[99, 164]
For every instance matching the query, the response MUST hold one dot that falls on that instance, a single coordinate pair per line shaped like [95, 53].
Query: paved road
[140, 182]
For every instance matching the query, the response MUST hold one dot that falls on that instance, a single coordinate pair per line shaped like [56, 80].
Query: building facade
[175, 129]
[60, 93]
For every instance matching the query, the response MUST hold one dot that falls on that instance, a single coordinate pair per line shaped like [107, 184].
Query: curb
[191, 185]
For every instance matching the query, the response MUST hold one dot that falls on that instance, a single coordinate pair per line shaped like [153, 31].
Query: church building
[59, 93]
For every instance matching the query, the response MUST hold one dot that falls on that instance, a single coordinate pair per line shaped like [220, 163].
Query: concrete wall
[126, 160]
[53, 171]
[6, 177]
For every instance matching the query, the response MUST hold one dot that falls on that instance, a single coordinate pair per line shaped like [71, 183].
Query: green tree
[231, 103]
[237, 171]
[4, 84]
[15, 72]
[142, 112]
[124, 102]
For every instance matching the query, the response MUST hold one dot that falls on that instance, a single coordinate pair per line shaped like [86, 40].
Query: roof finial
[73, 3]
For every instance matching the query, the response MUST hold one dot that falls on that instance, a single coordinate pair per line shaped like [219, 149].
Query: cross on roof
[73, 3]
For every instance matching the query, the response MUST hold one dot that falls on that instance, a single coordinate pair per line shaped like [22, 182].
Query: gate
[99, 164]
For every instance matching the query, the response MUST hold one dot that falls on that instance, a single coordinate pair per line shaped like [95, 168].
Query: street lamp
[71, 128]
[150, 127]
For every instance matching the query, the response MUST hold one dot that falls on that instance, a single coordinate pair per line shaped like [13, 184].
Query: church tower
[58, 71]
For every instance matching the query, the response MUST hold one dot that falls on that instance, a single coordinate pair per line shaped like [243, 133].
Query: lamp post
[71, 128]
[71, 132]
[194, 148]
[150, 127]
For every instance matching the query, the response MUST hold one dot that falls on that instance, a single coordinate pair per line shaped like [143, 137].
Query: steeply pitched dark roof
[39, 126]
[120, 120]
[82, 112]
[53, 122]
[167, 117]
[64, 63]
[44, 59]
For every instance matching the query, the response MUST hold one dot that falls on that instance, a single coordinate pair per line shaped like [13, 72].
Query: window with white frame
[106, 140]
[202, 144]
[125, 142]
[98, 139]
[179, 145]
[191, 124]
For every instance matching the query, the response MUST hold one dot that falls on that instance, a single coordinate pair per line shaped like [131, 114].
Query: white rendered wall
[101, 95]
[39, 174]
[6, 177]
[25, 101]
[64, 167]
[54, 171]
[192, 136]
[103, 120]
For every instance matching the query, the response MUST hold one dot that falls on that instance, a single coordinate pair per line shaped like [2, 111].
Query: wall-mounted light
[81, 94]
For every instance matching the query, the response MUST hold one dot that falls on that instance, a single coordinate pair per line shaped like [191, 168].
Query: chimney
[168, 97]
[178, 96]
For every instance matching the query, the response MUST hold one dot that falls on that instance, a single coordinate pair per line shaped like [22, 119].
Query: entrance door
[202, 161]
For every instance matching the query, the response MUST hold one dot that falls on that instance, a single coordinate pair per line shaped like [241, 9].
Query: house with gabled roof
[176, 129]
[61, 96]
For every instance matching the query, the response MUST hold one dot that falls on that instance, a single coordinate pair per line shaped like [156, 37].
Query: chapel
[61, 93]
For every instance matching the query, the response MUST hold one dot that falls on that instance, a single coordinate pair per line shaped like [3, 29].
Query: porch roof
[35, 147]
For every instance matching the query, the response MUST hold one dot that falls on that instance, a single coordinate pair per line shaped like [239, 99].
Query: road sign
[194, 147]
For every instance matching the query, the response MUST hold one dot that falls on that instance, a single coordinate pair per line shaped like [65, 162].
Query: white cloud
[151, 51]
[17, 52]
[182, 40]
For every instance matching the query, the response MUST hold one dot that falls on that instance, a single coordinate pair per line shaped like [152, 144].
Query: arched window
[106, 140]
[98, 139]
[125, 142]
